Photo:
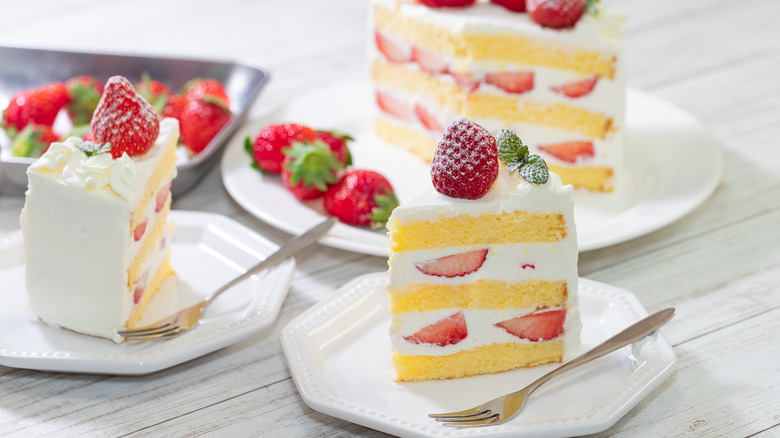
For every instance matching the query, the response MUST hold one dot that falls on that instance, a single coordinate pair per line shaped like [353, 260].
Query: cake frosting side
[85, 221]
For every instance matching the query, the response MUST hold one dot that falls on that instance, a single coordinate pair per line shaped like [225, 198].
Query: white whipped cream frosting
[77, 238]
[507, 262]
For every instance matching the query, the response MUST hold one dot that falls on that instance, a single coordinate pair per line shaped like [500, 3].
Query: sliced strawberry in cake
[455, 265]
[577, 88]
[392, 51]
[540, 326]
[570, 151]
[512, 82]
[447, 331]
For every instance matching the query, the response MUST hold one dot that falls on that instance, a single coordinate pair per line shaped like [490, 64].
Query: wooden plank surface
[719, 265]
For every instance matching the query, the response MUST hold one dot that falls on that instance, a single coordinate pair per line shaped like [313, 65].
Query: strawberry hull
[247, 81]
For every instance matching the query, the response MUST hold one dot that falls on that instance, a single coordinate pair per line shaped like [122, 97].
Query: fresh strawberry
[309, 168]
[447, 3]
[162, 197]
[124, 119]
[338, 143]
[266, 148]
[211, 90]
[512, 5]
[576, 89]
[447, 331]
[361, 197]
[427, 119]
[392, 51]
[140, 286]
[466, 81]
[392, 106]
[570, 151]
[155, 92]
[539, 326]
[428, 61]
[38, 105]
[174, 106]
[512, 82]
[33, 141]
[455, 265]
[200, 122]
[84, 93]
[556, 14]
[465, 164]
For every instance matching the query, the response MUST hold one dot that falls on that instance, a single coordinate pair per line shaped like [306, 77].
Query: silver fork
[507, 407]
[187, 318]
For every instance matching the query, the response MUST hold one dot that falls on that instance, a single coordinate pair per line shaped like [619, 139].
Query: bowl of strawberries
[47, 95]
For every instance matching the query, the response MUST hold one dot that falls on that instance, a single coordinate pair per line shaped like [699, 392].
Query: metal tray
[24, 67]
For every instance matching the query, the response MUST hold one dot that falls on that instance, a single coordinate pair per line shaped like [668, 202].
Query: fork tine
[168, 330]
[143, 330]
[473, 412]
[491, 419]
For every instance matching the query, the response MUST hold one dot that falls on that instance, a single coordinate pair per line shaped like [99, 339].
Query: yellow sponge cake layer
[591, 178]
[485, 359]
[470, 230]
[507, 108]
[152, 287]
[478, 295]
[165, 170]
[500, 47]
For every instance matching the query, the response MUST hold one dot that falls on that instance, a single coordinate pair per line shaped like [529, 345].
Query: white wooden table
[719, 265]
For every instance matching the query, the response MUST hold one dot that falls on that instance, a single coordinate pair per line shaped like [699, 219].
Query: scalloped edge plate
[208, 250]
[338, 353]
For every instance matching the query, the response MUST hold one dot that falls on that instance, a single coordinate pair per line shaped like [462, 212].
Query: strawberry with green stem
[266, 147]
[309, 168]
[361, 197]
[33, 141]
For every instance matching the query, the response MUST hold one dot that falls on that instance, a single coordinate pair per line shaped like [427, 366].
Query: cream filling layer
[481, 330]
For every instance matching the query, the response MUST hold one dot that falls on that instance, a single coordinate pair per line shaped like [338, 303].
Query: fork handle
[630, 334]
[289, 248]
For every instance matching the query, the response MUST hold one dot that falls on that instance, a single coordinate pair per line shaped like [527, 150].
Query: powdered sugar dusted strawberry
[556, 14]
[447, 331]
[570, 151]
[465, 164]
[124, 119]
[455, 265]
[539, 326]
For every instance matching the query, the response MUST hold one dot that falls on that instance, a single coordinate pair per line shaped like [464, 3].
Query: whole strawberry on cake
[95, 222]
[483, 269]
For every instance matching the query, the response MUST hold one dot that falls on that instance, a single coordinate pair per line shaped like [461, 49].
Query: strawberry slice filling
[447, 331]
[455, 265]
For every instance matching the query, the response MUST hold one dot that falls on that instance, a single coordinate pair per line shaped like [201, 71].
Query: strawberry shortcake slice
[483, 269]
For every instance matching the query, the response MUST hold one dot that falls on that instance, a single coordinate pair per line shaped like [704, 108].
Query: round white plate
[338, 353]
[673, 165]
[208, 251]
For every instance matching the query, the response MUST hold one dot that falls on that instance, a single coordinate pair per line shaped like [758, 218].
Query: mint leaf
[511, 150]
[592, 7]
[91, 148]
[534, 170]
